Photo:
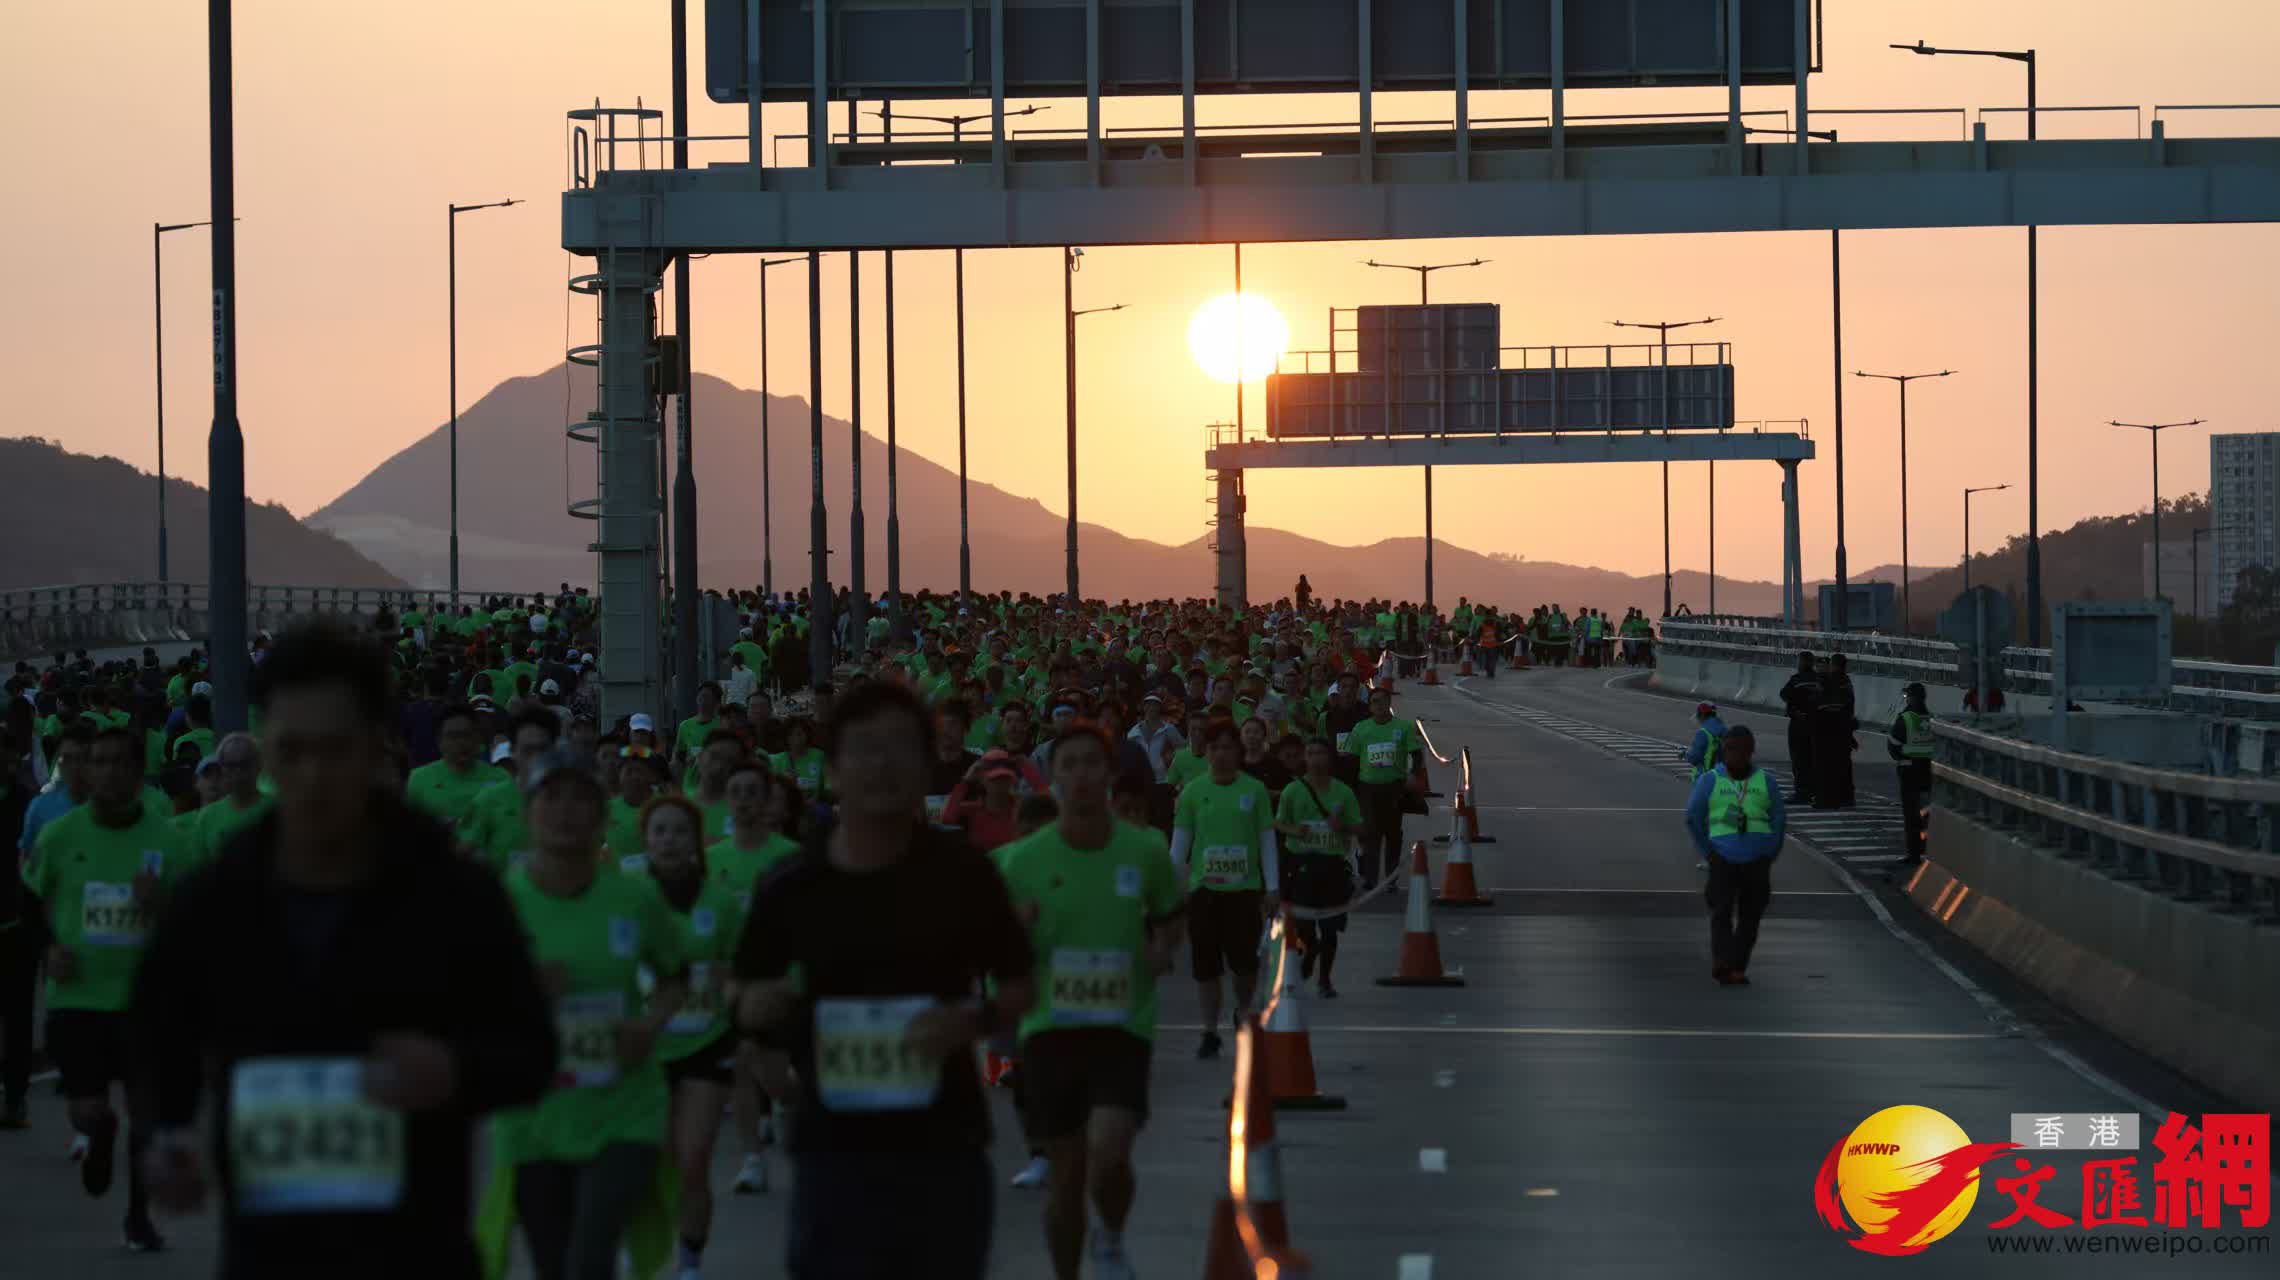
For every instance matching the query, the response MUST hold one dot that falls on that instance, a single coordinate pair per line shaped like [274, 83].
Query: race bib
[1317, 835]
[861, 1063]
[1383, 755]
[696, 1015]
[304, 1140]
[1226, 866]
[1091, 988]
[587, 1026]
[934, 807]
[108, 916]
[1341, 744]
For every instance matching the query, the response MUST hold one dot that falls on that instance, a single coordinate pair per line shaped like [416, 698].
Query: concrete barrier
[2189, 985]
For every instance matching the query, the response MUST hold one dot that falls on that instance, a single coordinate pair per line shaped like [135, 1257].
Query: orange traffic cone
[1458, 889]
[1286, 1054]
[1470, 812]
[1432, 675]
[1464, 665]
[1420, 964]
[1254, 1151]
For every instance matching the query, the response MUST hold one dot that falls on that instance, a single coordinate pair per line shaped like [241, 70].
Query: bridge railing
[2213, 841]
[2223, 689]
[38, 620]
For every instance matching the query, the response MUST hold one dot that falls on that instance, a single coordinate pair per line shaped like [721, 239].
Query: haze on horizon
[356, 126]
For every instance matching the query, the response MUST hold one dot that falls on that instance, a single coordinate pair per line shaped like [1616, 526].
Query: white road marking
[1433, 1160]
[1444, 1079]
[1416, 1266]
[1541, 1192]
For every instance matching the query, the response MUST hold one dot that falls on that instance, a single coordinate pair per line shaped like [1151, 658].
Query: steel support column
[1232, 562]
[629, 569]
[1792, 548]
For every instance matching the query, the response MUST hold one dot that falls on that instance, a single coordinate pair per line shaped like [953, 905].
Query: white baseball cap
[548, 689]
[640, 722]
[202, 689]
[502, 753]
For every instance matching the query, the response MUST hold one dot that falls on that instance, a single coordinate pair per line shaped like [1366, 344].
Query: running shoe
[752, 1177]
[1108, 1260]
[1210, 1046]
[142, 1237]
[1032, 1175]
[95, 1168]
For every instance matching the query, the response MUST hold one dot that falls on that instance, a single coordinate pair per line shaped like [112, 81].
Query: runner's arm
[1181, 839]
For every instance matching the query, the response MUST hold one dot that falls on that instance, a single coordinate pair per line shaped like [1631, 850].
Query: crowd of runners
[429, 892]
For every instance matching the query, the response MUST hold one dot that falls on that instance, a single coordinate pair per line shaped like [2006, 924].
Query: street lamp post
[1072, 261]
[453, 253]
[1907, 616]
[2198, 534]
[158, 349]
[1663, 328]
[225, 439]
[1424, 298]
[1967, 530]
[958, 125]
[2034, 346]
[767, 474]
[2153, 432]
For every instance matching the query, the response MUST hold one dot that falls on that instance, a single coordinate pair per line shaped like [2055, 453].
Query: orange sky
[355, 131]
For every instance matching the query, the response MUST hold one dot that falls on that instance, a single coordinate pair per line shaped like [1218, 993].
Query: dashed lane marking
[1433, 1160]
[1416, 1266]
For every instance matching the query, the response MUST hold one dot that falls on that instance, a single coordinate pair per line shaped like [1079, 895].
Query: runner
[280, 994]
[1226, 821]
[579, 1168]
[890, 924]
[1321, 816]
[496, 829]
[638, 773]
[763, 807]
[237, 768]
[95, 878]
[447, 787]
[698, 1047]
[1388, 752]
[1104, 910]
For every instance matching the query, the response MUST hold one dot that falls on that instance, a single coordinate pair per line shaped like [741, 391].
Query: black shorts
[89, 1048]
[1320, 880]
[1066, 1074]
[1223, 932]
[713, 1063]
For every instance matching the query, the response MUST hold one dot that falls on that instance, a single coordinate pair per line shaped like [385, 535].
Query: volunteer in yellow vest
[1223, 844]
[1736, 819]
[1912, 746]
[95, 877]
[1104, 910]
[1702, 753]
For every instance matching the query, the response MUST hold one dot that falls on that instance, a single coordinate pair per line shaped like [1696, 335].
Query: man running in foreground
[343, 994]
[864, 952]
[1104, 908]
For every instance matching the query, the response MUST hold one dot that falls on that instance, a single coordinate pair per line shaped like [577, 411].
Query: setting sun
[1238, 337]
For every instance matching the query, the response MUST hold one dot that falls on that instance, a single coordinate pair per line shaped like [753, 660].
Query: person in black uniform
[1833, 725]
[1801, 697]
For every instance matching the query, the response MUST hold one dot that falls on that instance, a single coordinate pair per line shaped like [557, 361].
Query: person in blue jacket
[1738, 824]
[1702, 752]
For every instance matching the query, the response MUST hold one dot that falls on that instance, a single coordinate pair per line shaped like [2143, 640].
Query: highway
[1589, 1104]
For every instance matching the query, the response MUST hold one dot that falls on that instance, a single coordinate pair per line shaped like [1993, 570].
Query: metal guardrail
[2203, 688]
[2214, 841]
[27, 604]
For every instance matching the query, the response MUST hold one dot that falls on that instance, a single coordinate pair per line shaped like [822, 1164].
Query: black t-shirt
[931, 924]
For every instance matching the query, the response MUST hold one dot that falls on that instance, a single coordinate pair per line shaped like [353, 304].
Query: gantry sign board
[1435, 370]
[2110, 650]
[934, 49]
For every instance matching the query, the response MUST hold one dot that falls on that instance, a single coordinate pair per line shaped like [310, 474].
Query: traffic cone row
[1458, 889]
[1432, 675]
[1469, 814]
[1420, 962]
[1286, 1053]
[1251, 1140]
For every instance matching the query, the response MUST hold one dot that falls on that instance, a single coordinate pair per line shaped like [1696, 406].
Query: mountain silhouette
[518, 473]
[75, 518]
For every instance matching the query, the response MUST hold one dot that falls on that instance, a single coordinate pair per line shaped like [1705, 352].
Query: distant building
[2244, 499]
[2177, 570]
